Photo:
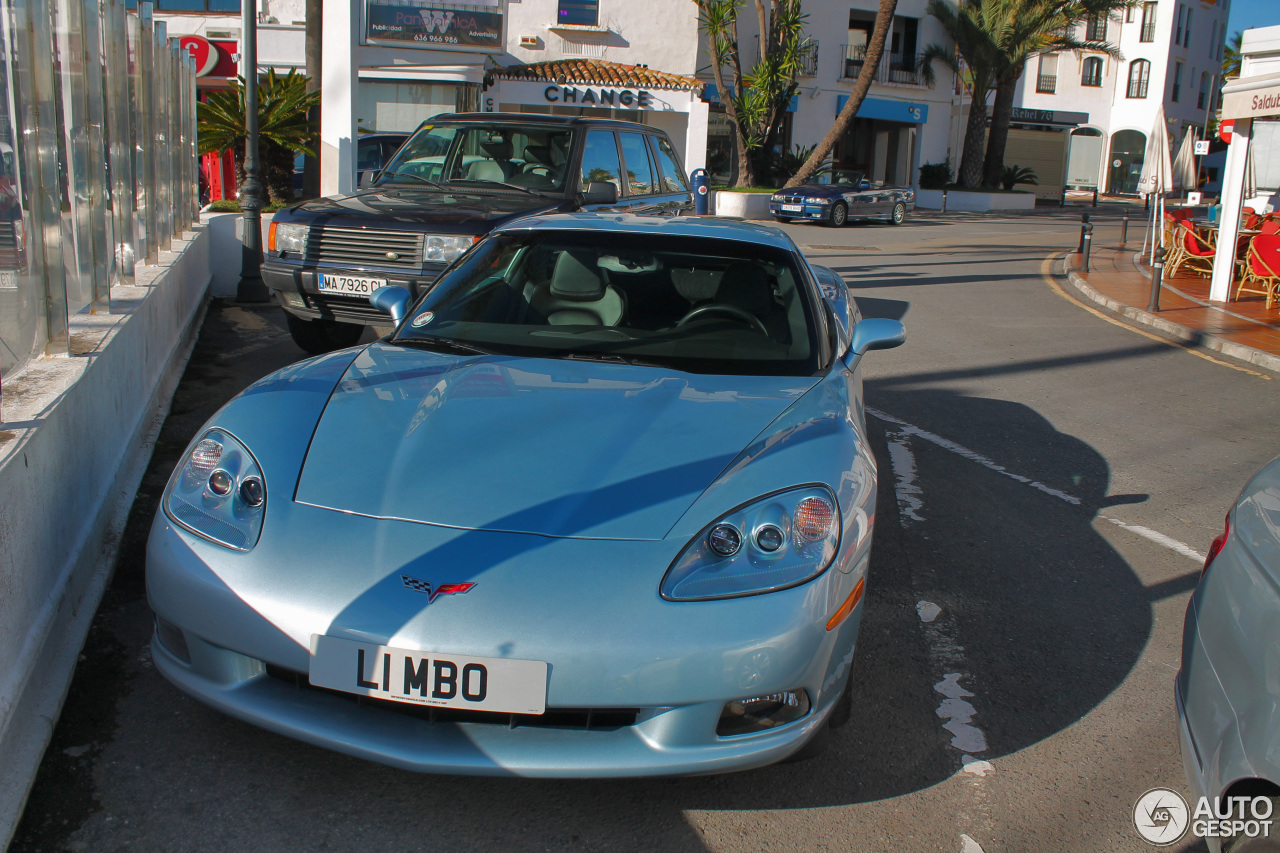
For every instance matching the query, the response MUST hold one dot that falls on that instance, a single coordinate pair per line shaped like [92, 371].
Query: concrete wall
[76, 435]
[663, 36]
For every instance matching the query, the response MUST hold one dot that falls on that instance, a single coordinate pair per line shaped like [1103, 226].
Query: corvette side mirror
[392, 300]
[874, 333]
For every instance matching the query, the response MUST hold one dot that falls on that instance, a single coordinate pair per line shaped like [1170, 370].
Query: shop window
[1092, 72]
[636, 156]
[673, 179]
[1148, 22]
[581, 12]
[600, 160]
[1139, 73]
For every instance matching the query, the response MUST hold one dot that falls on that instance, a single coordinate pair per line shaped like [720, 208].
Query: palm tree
[1231, 57]
[283, 129]
[974, 56]
[755, 101]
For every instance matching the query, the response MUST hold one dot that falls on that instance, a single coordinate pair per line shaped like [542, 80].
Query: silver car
[1228, 690]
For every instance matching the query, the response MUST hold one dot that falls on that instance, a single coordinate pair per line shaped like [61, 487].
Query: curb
[1240, 352]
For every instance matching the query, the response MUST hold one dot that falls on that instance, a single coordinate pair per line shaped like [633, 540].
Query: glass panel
[639, 172]
[673, 179]
[600, 160]
[583, 12]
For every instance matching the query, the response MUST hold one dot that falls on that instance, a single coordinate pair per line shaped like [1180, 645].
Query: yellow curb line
[1046, 272]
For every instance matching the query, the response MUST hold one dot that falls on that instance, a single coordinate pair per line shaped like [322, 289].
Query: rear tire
[839, 214]
[321, 336]
[899, 214]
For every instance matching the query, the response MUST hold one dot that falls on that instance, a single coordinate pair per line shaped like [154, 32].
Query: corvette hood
[544, 446]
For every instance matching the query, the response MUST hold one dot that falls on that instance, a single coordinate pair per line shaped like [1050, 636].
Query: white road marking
[1159, 538]
[968, 845]
[909, 494]
[927, 610]
[958, 713]
[976, 766]
[898, 440]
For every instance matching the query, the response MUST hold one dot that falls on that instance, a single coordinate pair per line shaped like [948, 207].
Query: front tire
[899, 214]
[783, 219]
[839, 214]
[321, 336]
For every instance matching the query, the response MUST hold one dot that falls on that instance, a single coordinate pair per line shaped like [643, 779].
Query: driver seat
[578, 294]
[747, 286]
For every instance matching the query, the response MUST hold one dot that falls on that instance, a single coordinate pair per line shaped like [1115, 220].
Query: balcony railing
[893, 68]
[1148, 31]
[809, 61]
[1047, 83]
[1137, 89]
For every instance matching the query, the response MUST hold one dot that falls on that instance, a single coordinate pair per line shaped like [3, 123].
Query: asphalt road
[1046, 477]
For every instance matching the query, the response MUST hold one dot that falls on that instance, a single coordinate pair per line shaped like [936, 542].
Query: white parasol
[1157, 176]
[1184, 165]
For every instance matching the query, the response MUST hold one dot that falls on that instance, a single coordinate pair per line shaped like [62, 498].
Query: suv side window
[673, 179]
[600, 159]
[639, 170]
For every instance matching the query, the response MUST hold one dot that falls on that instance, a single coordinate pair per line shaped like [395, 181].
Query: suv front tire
[321, 336]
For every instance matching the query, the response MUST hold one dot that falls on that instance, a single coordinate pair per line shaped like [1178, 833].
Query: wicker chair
[1193, 252]
[1262, 268]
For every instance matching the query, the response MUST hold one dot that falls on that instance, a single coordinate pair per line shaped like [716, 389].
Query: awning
[1251, 97]
[883, 108]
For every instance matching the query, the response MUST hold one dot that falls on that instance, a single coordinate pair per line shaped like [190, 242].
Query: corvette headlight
[290, 237]
[218, 492]
[447, 248]
[776, 542]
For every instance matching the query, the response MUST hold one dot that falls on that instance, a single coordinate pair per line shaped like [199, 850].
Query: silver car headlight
[772, 543]
[817, 201]
[448, 248]
[291, 237]
[218, 492]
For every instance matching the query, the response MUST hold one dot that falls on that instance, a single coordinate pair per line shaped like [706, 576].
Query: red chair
[1262, 268]
[1251, 220]
[1271, 226]
[1191, 251]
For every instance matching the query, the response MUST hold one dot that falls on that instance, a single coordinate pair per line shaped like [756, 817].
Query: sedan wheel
[899, 213]
[782, 219]
[839, 214]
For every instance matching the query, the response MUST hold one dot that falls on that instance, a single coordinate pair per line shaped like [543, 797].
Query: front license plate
[793, 208]
[429, 678]
[349, 285]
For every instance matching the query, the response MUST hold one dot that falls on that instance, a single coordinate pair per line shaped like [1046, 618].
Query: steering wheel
[732, 310]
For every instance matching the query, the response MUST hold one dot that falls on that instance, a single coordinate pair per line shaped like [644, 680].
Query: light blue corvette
[601, 506]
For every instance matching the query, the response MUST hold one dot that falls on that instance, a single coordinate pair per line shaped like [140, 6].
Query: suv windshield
[696, 304]
[526, 157]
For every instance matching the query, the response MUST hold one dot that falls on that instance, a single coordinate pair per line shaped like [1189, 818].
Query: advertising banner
[430, 27]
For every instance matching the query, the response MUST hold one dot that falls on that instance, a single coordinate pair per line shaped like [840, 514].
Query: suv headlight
[218, 492]
[775, 542]
[448, 248]
[290, 237]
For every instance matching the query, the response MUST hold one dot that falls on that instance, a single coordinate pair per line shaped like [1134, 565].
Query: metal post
[1095, 196]
[1062, 202]
[1124, 230]
[1157, 276]
[1084, 223]
[251, 288]
[1088, 245]
[944, 202]
[1146, 201]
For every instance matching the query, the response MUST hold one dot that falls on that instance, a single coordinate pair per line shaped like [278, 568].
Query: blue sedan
[602, 505]
[835, 196]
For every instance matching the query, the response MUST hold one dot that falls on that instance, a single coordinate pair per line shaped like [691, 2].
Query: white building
[1171, 55]
[216, 23]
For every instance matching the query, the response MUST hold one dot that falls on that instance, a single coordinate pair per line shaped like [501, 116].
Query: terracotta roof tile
[595, 72]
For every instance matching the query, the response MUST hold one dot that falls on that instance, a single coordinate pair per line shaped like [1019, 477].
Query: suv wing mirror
[368, 178]
[600, 192]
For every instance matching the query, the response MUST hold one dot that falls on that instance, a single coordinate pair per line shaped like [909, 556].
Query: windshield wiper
[612, 357]
[415, 177]
[443, 345]
[495, 183]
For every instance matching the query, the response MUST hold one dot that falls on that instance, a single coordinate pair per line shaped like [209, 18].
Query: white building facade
[1171, 57]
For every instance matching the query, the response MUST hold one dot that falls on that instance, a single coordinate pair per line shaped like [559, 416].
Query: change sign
[430, 27]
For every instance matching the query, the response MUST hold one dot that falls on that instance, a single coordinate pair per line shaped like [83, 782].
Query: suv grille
[364, 247]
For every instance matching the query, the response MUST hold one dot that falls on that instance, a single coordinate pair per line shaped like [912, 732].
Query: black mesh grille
[364, 247]
[586, 719]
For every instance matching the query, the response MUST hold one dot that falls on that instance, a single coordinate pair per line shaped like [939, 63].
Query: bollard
[1088, 244]
[1146, 201]
[944, 202]
[1062, 202]
[1157, 276]
[1084, 223]
[701, 197]
[1095, 196]
[1124, 230]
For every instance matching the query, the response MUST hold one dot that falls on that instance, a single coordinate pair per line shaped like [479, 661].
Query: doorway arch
[1124, 166]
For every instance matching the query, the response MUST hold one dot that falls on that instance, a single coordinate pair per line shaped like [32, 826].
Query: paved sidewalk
[1117, 281]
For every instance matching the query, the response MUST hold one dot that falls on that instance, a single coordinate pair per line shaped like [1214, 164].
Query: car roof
[541, 118]
[715, 227]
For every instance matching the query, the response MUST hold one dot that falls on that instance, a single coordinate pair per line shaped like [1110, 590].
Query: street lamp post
[251, 288]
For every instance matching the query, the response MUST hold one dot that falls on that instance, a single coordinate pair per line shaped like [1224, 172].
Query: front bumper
[611, 641]
[297, 290]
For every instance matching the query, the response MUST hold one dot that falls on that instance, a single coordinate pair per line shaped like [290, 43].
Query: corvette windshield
[696, 304]
[531, 158]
